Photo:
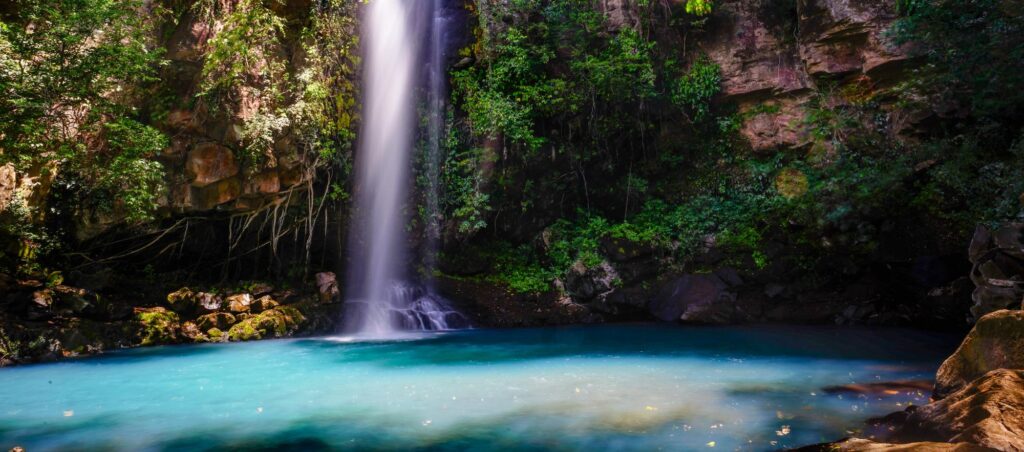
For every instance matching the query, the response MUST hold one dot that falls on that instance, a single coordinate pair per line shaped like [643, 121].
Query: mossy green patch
[157, 326]
[278, 322]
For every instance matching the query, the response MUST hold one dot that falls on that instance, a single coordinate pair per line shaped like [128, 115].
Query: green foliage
[461, 176]
[71, 72]
[66, 67]
[973, 49]
[699, 7]
[243, 50]
[130, 178]
[694, 90]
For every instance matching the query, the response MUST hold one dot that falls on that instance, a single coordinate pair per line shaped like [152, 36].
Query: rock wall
[774, 59]
[205, 170]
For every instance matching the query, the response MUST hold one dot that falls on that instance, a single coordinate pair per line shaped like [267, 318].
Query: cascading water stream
[381, 300]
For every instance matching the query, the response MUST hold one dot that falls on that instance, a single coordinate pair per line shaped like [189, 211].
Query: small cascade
[382, 300]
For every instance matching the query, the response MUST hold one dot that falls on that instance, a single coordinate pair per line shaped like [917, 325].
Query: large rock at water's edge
[863, 445]
[996, 342]
[157, 326]
[987, 412]
[278, 322]
[695, 298]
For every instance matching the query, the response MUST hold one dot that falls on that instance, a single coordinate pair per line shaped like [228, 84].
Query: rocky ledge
[40, 323]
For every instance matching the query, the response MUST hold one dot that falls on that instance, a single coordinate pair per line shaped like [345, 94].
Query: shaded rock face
[996, 342]
[488, 304]
[998, 272]
[988, 412]
[695, 298]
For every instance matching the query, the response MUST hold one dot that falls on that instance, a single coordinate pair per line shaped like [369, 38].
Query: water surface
[631, 387]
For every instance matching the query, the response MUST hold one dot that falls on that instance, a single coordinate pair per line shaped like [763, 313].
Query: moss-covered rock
[216, 335]
[278, 322]
[157, 326]
[996, 342]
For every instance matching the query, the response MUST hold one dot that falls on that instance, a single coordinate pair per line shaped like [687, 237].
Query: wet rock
[218, 320]
[988, 412]
[863, 445]
[996, 342]
[239, 302]
[157, 326]
[278, 322]
[327, 287]
[695, 298]
[881, 388]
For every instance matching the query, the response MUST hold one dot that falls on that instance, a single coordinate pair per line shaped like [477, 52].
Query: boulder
[988, 412]
[587, 284]
[209, 302]
[239, 302]
[695, 298]
[187, 302]
[996, 342]
[182, 300]
[72, 301]
[41, 306]
[191, 331]
[157, 326]
[218, 320]
[264, 303]
[327, 286]
[278, 322]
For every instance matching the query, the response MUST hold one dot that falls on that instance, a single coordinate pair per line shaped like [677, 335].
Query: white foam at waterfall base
[380, 303]
[408, 307]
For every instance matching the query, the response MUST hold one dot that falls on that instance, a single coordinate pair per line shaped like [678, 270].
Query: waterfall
[381, 299]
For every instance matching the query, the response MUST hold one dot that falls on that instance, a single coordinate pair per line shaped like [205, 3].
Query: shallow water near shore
[626, 387]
